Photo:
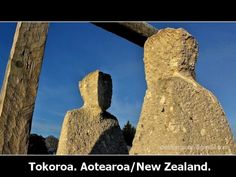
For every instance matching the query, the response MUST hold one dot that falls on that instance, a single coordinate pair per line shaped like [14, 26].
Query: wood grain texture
[20, 86]
[136, 32]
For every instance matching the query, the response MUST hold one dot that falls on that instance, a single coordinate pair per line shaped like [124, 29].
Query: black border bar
[20, 165]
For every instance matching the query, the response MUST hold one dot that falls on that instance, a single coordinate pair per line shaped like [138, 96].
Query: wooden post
[20, 86]
[136, 32]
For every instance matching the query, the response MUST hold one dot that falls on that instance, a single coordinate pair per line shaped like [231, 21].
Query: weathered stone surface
[90, 129]
[96, 90]
[20, 87]
[178, 116]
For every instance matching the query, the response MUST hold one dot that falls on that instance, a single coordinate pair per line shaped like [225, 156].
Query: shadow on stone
[90, 129]
[110, 141]
[178, 116]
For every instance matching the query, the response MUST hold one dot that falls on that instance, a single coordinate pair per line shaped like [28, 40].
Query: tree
[51, 144]
[37, 145]
[128, 133]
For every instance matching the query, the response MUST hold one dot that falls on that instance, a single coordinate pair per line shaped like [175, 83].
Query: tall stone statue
[90, 129]
[178, 116]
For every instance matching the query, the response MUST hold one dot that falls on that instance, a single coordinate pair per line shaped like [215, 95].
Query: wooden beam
[136, 32]
[20, 86]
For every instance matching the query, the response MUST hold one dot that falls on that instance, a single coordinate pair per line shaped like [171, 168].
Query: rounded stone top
[169, 51]
[96, 90]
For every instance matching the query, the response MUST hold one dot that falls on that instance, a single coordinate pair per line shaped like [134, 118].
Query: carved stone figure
[178, 116]
[90, 129]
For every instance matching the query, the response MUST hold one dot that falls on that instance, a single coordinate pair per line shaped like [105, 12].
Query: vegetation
[41, 145]
[51, 144]
[128, 133]
[37, 145]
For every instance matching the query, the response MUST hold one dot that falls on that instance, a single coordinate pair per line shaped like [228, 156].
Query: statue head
[169, 51]
[96, 90]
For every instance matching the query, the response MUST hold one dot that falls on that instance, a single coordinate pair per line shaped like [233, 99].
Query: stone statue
[178, 116]
[90, 129]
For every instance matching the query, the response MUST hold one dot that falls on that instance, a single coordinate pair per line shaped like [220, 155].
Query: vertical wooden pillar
[20, 86]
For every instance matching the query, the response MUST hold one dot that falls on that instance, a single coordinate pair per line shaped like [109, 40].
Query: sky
[75, 49]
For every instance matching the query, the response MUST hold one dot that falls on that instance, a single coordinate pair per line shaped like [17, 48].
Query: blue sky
[75, 49]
